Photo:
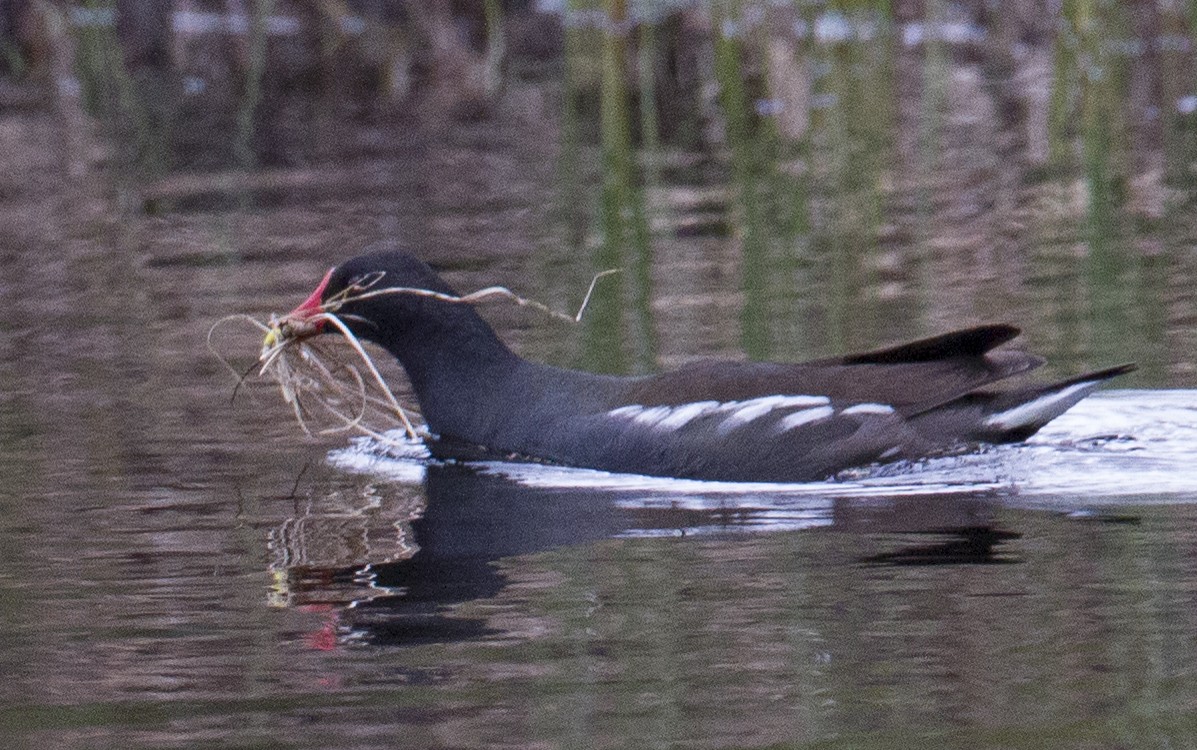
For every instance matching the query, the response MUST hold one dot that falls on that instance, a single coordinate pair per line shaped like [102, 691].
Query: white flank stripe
[869, 409]
[651, 417]
[741, 412]
[799, 418]
[685, 412]
[753, 409]
[750, 410]
[1043, 408]
[626, 412]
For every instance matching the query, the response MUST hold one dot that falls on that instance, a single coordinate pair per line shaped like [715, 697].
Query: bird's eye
[366, 280]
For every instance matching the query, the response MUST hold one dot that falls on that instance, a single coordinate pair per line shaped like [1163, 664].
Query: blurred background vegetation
[777, 179]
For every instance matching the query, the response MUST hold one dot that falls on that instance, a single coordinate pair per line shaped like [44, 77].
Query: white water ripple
[1114, 447]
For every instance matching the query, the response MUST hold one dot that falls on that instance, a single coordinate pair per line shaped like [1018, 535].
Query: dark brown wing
[967, 342]
[912, 377]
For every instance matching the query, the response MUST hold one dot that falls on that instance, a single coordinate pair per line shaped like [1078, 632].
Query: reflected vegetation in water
[828, 177]
[775, 180]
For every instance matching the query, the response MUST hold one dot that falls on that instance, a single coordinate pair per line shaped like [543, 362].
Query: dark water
[180, 569]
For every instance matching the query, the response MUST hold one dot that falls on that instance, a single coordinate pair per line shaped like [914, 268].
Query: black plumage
[709, 420]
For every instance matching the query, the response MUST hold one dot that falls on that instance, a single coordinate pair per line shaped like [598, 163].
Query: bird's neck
[472, 388]
[460, 370]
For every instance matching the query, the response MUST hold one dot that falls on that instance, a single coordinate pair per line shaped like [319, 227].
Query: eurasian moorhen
[710, 420]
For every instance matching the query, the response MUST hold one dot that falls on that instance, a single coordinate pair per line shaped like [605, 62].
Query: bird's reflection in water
[388, 565]
[322, 553]
[949, 530]
[974, 545]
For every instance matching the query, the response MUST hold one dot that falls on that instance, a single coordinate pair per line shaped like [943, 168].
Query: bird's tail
[1016, 415]
[1010, 415]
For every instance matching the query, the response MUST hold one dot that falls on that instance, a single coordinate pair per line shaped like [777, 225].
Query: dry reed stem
[364, 292]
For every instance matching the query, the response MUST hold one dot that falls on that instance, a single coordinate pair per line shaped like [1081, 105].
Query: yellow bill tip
[272, 339]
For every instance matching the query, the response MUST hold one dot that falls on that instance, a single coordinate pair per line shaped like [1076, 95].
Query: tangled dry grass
[333, 381]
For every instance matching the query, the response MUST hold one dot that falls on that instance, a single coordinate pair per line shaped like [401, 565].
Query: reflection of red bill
[324, 639]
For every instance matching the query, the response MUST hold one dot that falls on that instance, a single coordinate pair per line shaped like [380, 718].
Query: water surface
[996, 599]
[182, 569]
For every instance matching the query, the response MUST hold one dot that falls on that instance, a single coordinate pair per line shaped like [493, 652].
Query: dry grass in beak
[333, 378]
[324, 381]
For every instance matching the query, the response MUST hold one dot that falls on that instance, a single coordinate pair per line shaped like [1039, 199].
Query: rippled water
[1114, 447]
[1022, 595]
